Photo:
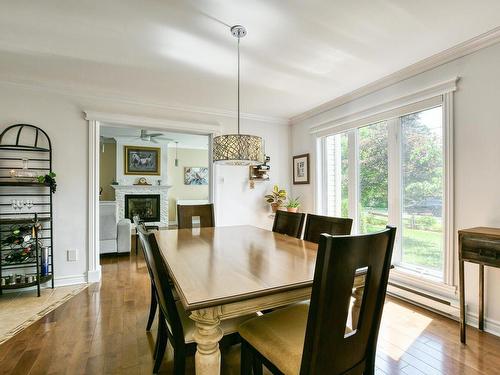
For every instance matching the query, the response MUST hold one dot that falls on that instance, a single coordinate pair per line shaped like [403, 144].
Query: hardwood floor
[102, 331]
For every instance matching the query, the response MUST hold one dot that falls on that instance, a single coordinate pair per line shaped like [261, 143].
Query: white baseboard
[70, 280]
[490, 325]
[60, 281]
[450, 310]
[94, 276]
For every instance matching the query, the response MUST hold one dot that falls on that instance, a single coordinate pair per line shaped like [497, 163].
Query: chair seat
[279, 336]
[228, 326]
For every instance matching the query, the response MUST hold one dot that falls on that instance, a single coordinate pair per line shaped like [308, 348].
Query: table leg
[481, 297]
[356, 306]
[462, 301]
[207, 336]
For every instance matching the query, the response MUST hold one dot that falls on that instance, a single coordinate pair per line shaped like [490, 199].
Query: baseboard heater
[425, 300]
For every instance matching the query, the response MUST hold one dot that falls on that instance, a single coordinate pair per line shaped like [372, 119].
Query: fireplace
[147, 206]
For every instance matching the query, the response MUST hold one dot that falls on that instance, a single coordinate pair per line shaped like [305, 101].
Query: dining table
[231, 271]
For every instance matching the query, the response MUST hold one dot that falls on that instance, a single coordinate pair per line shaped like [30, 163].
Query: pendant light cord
[238, 85]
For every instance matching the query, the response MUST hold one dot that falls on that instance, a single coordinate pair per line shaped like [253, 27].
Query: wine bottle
[18, 236]
[19, 255]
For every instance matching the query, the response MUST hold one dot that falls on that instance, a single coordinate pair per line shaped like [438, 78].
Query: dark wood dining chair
[312, 339]
[185, 214]
[316, 225]
[174, 323]
[137, 221]
[289, 223]
[140, 228]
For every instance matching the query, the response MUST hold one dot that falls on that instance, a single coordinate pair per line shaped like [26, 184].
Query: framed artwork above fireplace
[141, 160]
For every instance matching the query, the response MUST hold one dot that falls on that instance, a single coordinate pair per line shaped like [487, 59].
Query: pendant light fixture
[238, 149]
[176, 161]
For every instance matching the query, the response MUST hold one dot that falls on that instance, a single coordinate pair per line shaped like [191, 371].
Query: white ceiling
[184, 140]
[297, 54]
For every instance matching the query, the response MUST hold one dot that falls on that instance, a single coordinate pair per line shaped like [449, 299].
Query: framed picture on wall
[195, 176]
[301, 169]
[142, 160]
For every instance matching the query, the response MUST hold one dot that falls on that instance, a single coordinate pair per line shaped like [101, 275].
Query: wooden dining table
[226, 272]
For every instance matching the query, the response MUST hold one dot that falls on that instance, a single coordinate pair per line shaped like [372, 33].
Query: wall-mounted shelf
[259, 173]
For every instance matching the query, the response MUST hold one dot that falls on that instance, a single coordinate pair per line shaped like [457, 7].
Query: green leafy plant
[293, 203]
[277, 197]
[50, 180]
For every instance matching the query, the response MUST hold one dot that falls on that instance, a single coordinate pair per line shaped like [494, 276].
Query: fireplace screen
[146, 206]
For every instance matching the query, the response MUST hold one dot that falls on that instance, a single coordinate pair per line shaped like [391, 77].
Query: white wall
[238, 204]
[477, 151]
[63, 122]
[61, 116]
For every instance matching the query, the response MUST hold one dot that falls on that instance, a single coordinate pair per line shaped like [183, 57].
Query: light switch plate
[72, 255]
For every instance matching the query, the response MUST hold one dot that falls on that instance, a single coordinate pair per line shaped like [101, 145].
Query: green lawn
[423, 248]
[420, 247]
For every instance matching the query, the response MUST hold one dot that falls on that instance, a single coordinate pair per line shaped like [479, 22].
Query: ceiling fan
[153, 137]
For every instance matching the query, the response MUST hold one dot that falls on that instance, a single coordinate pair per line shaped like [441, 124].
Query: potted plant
[276, 198]
[50, 180]
[293, 204]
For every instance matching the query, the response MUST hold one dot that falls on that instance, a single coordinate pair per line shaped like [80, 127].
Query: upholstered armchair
[114, 235]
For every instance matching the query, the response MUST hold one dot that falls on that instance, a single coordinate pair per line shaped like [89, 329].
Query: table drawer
[481, 249]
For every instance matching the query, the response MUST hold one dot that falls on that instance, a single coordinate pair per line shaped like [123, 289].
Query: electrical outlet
[72, 255]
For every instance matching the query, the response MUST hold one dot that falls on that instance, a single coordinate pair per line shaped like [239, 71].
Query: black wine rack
[26, 209]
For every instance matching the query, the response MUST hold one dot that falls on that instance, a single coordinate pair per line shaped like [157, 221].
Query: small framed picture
[142, 160]
[195, 176]
[301, 169]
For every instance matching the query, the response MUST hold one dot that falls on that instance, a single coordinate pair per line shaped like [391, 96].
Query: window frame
[392, 113]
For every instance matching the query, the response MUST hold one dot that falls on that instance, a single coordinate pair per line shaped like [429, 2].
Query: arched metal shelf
[30, 144]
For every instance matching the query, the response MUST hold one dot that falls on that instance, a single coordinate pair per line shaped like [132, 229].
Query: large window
[373, 178]
[422, 190]
[392, 171]
[337, 175]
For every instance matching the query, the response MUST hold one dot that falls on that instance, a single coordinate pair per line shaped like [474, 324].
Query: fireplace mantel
[141, 188]
[122, 190]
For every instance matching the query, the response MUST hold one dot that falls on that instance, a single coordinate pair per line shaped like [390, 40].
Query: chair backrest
[164, 293]
[185, 214]
[289, 223]
[316, 225]
[327, 348]
[143, 233]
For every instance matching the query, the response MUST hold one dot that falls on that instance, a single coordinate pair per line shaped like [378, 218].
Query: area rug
[19, 310]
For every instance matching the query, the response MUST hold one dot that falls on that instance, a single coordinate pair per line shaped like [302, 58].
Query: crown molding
[460, 50]
[367, 114]
[151, 122]
[66, 91]
[167, 144]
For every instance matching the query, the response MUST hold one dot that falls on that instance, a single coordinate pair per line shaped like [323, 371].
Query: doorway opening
[141, 167]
